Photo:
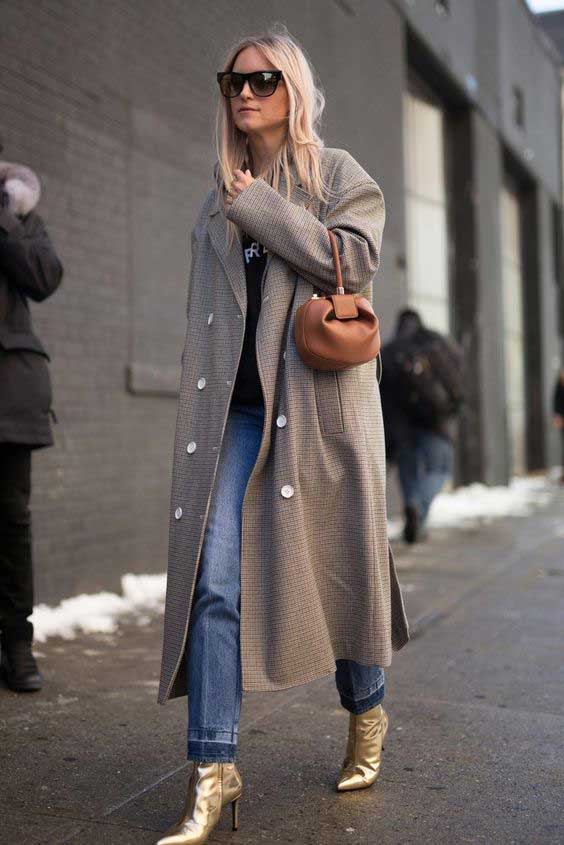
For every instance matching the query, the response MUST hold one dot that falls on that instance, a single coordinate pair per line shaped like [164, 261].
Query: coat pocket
[329, 401]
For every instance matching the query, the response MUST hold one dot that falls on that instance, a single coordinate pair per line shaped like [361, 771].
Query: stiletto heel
[235, 813]
[211, 787]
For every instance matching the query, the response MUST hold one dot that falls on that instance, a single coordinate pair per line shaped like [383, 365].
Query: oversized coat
[318, 580]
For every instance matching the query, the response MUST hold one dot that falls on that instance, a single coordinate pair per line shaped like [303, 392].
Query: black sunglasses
[263, 82]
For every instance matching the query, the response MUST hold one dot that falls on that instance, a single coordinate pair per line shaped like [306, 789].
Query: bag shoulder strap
[336, 262]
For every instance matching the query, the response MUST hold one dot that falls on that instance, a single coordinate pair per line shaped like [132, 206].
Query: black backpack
[426, 370]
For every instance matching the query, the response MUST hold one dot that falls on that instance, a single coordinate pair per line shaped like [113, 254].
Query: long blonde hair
[302, 144]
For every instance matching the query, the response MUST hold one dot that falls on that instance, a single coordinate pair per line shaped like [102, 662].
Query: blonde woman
[279, 567]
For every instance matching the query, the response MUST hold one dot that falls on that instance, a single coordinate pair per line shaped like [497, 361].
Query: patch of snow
[545, 5]
[142, 595]
[478, 503]
[395, 529]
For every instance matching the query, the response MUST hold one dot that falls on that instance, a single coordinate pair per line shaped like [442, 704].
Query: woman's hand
[558, 421]
[240, 182]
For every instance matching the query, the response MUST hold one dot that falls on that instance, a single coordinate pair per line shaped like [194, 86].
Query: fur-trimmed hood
[23, 186]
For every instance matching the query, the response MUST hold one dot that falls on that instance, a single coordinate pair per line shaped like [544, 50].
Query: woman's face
[262, 114]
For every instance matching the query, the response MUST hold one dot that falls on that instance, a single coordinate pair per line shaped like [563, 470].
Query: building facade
[454, 108]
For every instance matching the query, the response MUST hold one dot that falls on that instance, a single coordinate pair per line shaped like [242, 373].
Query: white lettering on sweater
[253, 251]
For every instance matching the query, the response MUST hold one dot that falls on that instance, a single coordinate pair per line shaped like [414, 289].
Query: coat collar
[232, 259]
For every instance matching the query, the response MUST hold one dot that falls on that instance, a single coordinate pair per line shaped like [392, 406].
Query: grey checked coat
[318, 580]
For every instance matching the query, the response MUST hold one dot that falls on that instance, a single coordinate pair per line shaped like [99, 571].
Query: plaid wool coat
[318, 580]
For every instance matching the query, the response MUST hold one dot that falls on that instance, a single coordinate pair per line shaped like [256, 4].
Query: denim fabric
[360, 687]
[213, 647]
[423, 467]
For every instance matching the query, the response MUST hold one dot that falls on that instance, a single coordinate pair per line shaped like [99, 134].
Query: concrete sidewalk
[474, 752]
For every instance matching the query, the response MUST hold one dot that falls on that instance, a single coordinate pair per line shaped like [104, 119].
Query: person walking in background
[558, 410]
[29, 269]
[421, 389]
[279, 567]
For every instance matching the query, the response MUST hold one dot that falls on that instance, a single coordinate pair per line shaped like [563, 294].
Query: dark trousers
[16, 571]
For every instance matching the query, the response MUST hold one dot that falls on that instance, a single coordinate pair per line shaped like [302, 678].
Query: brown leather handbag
[339, 330]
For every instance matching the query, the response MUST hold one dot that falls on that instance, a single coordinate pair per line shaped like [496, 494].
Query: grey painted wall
[488, 178]
[499, 44]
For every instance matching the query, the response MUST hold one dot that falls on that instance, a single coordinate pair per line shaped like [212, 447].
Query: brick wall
[97, 97]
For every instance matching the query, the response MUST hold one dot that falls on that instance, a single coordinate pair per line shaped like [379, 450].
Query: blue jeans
[213, 648]
[423, 468]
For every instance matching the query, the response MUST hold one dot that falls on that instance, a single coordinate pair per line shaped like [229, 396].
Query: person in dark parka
[419, 419]
[558, 411]
[29, 269]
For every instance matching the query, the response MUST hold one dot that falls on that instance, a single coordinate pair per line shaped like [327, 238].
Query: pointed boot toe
[363, 756]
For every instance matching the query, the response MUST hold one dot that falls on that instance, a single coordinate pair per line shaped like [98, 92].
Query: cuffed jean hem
[360, 705]
[213, 752]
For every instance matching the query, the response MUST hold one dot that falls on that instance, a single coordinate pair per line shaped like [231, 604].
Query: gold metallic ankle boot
[363, 756]
[210, 788]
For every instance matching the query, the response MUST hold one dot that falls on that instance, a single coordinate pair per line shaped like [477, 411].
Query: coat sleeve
[356, 217]
[27, 258]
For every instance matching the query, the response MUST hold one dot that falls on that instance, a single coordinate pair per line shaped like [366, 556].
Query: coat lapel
[232, 259]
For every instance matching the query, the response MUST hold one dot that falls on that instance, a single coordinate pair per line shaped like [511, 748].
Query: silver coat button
[281, 421]
[210, 318]
[201, 383]
[287, 491]
[284, 355]
[178, 513]
[191, 447]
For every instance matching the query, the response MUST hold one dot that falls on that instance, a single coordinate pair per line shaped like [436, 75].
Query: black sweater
[247, 383]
